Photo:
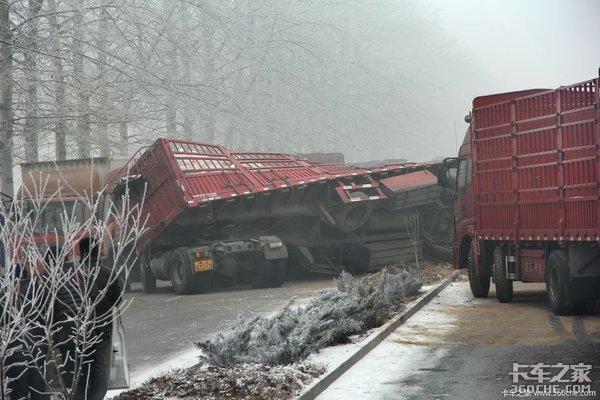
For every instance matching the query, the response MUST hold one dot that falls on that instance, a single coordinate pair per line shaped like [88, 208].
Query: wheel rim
[554, 285]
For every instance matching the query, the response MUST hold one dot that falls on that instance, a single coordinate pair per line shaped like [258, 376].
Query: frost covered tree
[54, 315]
[331, 317]
[86, 78]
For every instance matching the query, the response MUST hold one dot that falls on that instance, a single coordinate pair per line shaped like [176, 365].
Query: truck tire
[203, 281]
[182, 277]
[148, 279]
[269, 274]
[480, 284]
[558, 286]
[504, 286]
[263, 274]
[279, 272]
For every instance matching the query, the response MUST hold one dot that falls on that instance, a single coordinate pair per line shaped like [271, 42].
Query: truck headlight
[275, 244]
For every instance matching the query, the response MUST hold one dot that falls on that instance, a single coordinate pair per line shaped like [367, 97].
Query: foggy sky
[519, 45]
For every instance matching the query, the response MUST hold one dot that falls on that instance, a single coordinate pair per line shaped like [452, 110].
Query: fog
[517, 45]
[374, 79]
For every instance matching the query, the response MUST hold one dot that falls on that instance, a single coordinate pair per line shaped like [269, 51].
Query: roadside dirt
[242, 381]
[427, 273]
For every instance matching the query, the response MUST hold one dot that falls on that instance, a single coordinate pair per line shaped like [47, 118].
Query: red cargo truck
[214, 213]
[527, 194]
[184, 187]
[64, 186]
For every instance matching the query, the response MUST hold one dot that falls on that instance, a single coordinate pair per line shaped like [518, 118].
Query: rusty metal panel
[532, 263]
[411, 189]
[409, 181]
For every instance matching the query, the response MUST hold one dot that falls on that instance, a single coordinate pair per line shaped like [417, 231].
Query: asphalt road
[161, 325]
[458, 347]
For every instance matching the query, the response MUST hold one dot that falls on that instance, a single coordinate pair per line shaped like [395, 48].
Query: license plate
[203, 265]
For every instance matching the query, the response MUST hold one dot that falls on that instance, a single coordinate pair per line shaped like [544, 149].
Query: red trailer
[211, 212]
[527, 206]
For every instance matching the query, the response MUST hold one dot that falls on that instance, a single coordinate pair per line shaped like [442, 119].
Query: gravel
[238, 381]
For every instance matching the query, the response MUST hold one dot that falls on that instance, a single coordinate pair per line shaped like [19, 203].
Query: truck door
[119, 363]
[463, 207]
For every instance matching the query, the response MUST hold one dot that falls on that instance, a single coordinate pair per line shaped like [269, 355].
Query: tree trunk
[102, 92]
[31, 128]
[6, 100]
[124, 128]
[82, 136]
[209, 71]
[60, 126]
[124, 136]
[171, 120]
[83, 126]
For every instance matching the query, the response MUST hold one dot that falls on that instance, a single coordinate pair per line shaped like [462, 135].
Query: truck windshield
[53, 214]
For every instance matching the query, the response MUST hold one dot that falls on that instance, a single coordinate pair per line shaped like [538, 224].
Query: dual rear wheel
[479, 279]
[183, 279]
[565, 296]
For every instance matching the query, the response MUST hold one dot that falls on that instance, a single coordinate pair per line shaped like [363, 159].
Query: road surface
[458, 347]
[162, 325]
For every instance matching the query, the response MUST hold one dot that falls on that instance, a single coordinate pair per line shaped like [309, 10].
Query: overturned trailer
[395, 217]
[213, 211]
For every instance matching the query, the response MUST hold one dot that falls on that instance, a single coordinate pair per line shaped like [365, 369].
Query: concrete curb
[372, 341]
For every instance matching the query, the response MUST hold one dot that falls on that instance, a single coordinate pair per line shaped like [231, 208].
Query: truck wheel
[480, 284]
[504, 286]
[279, 272]
[558, 286]
[269, 274]
[203, 281]
[263, 274]
[182, 277]
[148, 280]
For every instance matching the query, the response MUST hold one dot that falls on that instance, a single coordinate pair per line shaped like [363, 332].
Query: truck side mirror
[442, 173]
[446, 173]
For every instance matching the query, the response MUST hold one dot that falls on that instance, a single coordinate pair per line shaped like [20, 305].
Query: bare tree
[54, 289]
[83, 78]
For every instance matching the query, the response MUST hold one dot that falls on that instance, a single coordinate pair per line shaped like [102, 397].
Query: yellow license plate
[203, 265]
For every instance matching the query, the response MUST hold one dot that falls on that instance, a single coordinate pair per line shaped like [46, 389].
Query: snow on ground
[401, 354]
[331, 357]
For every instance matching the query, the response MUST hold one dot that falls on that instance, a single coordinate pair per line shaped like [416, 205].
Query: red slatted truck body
[527, 194]
[212, 213]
